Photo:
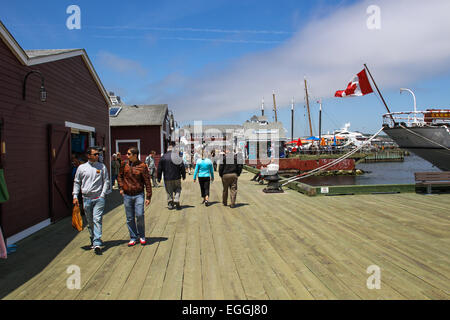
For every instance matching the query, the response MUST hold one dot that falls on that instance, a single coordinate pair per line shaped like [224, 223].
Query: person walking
[115, 167]
[133, 177]
[229, 171]
[91, 179]
[186, 162]
[204, 170]
[150, 162]
[172, 166]
[119, 158]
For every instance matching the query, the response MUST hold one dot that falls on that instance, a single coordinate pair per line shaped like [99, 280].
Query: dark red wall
[149, 136]
[72, 96]
[306, 165]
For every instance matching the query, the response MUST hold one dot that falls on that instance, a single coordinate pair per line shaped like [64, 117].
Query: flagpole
[389, 111]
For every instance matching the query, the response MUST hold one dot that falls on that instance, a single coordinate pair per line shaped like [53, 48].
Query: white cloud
[412, 44]
[121, 65]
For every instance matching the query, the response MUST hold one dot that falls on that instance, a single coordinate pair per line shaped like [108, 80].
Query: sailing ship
[424, 133]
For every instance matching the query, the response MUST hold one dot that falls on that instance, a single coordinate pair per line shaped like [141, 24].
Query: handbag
[77, 220]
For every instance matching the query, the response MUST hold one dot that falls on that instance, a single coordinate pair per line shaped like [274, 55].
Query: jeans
[134, 210]
[93, 209]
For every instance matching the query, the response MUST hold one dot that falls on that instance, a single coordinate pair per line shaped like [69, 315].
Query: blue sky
[215, 60]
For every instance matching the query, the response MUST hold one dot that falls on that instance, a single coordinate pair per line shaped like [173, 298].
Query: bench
[429, 179]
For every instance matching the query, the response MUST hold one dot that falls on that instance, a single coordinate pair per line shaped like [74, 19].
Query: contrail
[189, 29]
[189, 39]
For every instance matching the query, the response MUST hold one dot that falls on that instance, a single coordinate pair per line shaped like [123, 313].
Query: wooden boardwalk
[272, 246]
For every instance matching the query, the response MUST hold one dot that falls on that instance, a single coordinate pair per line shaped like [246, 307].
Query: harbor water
[378, 173]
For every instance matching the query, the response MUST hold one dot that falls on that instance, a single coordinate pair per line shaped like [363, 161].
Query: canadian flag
[358, 86]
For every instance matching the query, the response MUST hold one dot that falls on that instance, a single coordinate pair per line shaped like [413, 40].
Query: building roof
[47, 52]
[266, 128]
[220, 127]
[36, 57]
[140, 115]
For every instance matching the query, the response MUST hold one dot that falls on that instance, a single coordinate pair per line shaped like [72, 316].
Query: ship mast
[307, 105]
[274, 105]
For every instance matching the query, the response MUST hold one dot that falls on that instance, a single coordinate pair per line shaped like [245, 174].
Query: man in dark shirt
[230, 169]
[172, 166]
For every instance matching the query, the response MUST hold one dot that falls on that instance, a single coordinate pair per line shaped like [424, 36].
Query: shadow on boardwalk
[27, 262]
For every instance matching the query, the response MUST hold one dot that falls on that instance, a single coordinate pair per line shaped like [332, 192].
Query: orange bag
[77, 220]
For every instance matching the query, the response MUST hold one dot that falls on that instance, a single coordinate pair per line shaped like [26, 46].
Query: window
[114, 111]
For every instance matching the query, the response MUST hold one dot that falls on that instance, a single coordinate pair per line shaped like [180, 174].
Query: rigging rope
[425, 138]
[332, 163]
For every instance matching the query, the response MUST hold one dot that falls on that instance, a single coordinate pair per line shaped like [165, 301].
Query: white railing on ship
[410, 117]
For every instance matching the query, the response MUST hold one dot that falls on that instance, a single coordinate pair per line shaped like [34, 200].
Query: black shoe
[170, 206]
[98, 250]
[206, 203]
[177, 204]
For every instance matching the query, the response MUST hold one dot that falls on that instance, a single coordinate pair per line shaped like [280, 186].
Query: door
[122, 146]
[60, 170]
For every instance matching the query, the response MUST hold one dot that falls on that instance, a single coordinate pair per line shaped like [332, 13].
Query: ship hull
[429, 143]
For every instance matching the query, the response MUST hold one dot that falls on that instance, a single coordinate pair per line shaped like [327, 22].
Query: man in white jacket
[92, 179]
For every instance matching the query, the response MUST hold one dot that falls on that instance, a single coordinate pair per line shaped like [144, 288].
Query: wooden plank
[173, 281]
[192, 281]
[156, 224]
[53, 278]
[109, 280]
[152, 285]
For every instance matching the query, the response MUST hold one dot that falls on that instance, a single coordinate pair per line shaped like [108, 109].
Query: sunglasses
[95, 154]
[129, 153]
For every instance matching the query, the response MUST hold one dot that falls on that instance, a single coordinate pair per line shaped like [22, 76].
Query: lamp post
[415, 109]
[43, 93]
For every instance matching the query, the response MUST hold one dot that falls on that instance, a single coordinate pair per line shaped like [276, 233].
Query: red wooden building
[147, 127]
[37, 137]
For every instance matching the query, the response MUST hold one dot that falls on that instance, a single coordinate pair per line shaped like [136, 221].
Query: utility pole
[307, 105]
[274, 105]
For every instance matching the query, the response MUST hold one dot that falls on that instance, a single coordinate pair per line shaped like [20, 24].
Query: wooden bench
[429, 179]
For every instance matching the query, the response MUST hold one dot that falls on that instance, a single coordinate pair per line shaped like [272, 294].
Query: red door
[60, 172]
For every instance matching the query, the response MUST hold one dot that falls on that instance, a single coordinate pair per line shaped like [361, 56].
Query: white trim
[78, 126]
[13, 45]
[130, 140]
[27, 232]
[54, 57]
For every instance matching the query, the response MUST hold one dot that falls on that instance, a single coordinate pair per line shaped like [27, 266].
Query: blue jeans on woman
[134, 210]
[93, 208]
